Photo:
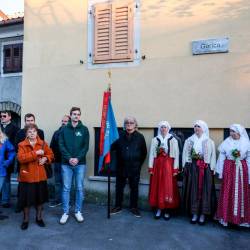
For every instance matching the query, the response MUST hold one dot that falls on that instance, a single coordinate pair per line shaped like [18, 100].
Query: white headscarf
[242, 144]
[203, 126]
[159, 135]
[240, 130]
[198, 140]
[163, 123]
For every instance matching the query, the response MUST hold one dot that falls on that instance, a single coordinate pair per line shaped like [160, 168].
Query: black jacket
[131, 152]
[21, 135]
[54, 145]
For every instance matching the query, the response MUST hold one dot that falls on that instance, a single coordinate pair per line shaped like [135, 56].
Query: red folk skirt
[233, 206]
[163, 190]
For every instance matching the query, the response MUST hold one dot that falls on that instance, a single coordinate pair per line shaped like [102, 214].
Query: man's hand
[73, 161]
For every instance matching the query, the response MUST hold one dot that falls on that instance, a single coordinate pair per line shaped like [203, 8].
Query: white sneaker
[64, 218]
[79, 217]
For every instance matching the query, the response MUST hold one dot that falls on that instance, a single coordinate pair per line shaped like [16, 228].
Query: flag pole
[109, 195]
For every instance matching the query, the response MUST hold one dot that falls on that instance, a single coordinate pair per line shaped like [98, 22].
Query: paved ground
[122, 231]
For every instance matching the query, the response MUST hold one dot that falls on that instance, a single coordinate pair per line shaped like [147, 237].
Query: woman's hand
[40, 152]
[42, 160]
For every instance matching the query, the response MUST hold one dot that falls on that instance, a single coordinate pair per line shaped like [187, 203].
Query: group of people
[199, 167]
[70, 144]
[67, 152]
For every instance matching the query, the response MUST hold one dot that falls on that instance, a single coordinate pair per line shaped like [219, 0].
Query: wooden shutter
[102, 32]
[122, 32]
[113, 32]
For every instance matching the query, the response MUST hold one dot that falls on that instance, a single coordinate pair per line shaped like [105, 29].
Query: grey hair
[3, 136]
[130, 118]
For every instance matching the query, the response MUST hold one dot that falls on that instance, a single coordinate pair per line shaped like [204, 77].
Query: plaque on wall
[210, 46]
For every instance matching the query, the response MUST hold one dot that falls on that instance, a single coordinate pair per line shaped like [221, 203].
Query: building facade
[69, 46]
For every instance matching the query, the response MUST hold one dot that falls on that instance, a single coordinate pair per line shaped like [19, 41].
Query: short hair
[30, 126]
[28, 115]
[129, 118]
[74, 109]
[6, 112]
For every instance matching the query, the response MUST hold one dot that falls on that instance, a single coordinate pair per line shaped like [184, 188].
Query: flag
[109, 133]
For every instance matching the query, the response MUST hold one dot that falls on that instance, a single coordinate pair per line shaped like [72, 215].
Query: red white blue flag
[109, 133]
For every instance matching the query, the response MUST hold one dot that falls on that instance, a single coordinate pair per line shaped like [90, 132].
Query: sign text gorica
[220, 45]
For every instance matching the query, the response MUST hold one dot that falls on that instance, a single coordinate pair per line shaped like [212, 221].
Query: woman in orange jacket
[33, 154]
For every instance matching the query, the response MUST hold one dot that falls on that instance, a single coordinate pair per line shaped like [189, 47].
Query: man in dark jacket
[10, 129]
[131, 152]
[74, 145]
[21, 134]
[54, 145]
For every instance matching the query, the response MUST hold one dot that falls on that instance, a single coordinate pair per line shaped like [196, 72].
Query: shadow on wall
[190, 8]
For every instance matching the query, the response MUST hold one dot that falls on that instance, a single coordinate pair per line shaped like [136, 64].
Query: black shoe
[24, 225]
[3, 217]
[194, 219]
[135, 212]
[6, 205]
[166, 216]
[40, 222]
[157, 215]
[115, 210]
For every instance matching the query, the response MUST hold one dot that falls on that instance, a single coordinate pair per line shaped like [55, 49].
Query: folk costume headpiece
[203, 126]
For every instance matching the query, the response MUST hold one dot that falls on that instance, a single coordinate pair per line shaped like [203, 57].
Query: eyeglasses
[196, 126]
[129, 123]
[3, 116]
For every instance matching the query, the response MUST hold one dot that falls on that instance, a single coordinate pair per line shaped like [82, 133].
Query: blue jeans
[6, 189]
[67, 173]
[58, 181]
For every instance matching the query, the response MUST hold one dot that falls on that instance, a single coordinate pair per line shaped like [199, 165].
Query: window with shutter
[12, 61]
[113, 33]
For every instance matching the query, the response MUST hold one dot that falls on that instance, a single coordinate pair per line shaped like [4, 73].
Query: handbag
[47, 167]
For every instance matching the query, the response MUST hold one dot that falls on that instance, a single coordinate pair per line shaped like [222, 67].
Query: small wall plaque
[210, 46]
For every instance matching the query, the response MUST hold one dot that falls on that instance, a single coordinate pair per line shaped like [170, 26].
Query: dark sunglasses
[3, 116]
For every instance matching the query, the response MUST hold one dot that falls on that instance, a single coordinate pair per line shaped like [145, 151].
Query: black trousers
[133, 184]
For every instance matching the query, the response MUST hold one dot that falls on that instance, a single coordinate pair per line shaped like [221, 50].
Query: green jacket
[74, 142]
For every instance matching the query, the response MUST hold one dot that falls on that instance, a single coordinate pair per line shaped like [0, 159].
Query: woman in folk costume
[233, 167]
[199, 160]
[163, 168]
